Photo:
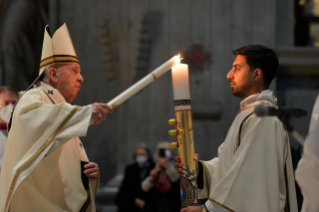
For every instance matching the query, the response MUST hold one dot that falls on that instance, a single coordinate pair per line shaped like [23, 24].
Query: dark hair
[8, 89]
[262, 57]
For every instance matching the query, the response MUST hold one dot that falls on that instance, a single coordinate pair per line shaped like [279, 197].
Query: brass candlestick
[184, 134]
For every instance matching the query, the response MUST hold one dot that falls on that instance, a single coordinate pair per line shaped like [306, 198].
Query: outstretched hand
[99, 112]
[179, 164]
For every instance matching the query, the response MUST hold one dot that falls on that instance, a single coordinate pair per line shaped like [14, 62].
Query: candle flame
[179, 58]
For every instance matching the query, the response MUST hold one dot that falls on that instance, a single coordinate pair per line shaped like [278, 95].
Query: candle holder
[184, 133]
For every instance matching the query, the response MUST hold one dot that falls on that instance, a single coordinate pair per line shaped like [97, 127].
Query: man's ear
[258, 75]
[53, 75]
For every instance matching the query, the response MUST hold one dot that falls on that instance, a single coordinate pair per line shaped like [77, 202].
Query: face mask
[5, 113]
[141, 160]
[168, 154]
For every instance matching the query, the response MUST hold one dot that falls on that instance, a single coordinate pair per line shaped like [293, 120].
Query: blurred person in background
[131, 196]
[8, 97]
[307, 172]
[162, 185]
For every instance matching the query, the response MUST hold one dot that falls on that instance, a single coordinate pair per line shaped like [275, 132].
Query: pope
[45, 166]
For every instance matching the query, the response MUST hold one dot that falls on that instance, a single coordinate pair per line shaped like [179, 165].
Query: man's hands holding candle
[179, 164]
[99, 112]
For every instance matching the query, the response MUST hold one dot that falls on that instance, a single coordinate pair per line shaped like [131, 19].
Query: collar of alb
[264, 96]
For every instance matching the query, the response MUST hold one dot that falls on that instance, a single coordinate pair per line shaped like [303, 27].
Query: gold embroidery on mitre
[58, 59]
[38, 152]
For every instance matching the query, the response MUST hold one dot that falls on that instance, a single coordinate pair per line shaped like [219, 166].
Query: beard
[241, 91]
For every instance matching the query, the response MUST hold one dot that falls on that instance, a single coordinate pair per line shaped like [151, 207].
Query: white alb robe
[307, 172]
[41, 168]
[250, 177]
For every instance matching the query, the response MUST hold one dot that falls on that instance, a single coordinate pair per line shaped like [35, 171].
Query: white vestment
[253, 170]
[307, 172]
[41, 168]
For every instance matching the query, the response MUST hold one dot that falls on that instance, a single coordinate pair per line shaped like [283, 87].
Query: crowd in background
[148, 185]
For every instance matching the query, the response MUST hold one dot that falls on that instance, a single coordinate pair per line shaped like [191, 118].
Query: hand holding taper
[99, 112]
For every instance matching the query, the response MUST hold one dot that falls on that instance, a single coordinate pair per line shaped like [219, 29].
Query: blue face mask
[141, 160]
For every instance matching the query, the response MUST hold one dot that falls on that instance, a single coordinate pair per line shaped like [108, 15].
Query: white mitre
[57, 48]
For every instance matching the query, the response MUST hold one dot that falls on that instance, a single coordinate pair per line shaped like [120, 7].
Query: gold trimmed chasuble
[41, 168]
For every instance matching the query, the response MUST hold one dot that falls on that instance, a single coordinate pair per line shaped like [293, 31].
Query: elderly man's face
[7, 98]
[69, 81]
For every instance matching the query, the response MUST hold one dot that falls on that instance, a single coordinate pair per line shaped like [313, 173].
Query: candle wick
[179, 62]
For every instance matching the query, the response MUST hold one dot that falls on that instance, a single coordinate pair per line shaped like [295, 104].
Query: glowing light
[179, 58]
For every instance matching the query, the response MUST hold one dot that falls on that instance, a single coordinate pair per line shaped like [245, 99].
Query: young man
[8, 97]
[44, 158]
[253, 170]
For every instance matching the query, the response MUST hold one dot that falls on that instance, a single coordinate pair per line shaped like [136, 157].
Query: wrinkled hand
[163, 162]
[91, 171]
[140, 203]
[153, 174]
[179, 164]
[99, 112]
[193, 209]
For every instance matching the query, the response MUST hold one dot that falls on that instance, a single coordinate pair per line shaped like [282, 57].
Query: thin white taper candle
[143, 82]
